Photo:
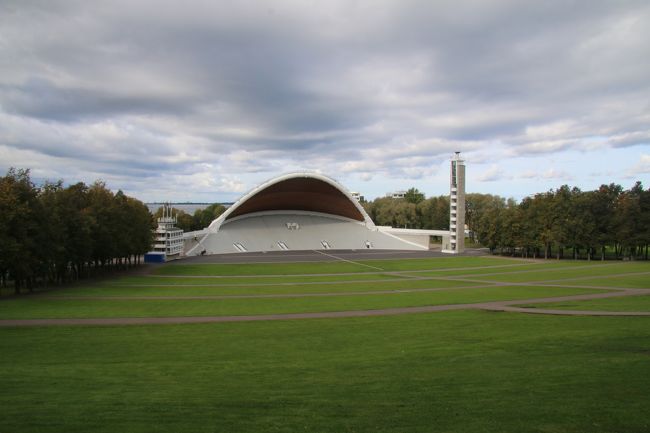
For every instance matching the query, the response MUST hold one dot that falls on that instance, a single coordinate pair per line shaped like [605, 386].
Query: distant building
[358, 197]
[396, 194]
[168, 238]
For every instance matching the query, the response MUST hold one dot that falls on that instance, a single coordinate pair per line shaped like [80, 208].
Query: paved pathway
[506, 306]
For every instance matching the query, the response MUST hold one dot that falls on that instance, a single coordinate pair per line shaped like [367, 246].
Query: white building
[168, 238]
[396, 194]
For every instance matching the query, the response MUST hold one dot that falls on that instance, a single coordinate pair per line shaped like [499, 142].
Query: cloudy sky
[202, 100]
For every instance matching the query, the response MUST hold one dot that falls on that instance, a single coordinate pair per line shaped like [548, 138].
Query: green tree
[77, 225]
[184, 221]
[482, 216]
[528, 223]
[628, 216]
[204, 217]
[583, 227]
[105, 228]
[603, 206]
[476, 205]
[413, 195]
[55, 257]
[54, 233]
[140, 229]
[433, 213]
[377, 212]
[20, 225]
[644, 221]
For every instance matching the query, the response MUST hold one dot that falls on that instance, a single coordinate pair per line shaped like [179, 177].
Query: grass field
[81, 308]
[631, 303]
[330, 267]
[453, 371]
[206, 288]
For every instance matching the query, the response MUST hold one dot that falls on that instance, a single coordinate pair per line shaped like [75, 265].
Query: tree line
[565, 222]
[53, 234]
[197, 221]
[414, 211]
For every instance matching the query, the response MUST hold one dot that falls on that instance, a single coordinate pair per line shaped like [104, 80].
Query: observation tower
[456, 244]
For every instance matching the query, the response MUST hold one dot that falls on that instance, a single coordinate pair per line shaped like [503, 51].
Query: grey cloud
[40, 98]
[631, 138]
[253, 88]
[492, 174]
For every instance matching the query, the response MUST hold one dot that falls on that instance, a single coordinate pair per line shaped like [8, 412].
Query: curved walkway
[505, 306]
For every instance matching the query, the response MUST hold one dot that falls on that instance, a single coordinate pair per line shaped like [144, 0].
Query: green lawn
[440, 263]
[153, 280]
[640, 281]
[631, 303]
[61, 308]
[261, 269]
[463, 371]
[509, 268]
[327, 267]
[455, 371]
[278, 287]
[588, 271]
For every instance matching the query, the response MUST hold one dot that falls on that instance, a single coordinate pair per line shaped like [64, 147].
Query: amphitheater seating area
[276, 231]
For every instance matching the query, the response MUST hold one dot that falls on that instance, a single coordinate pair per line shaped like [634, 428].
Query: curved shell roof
[310, 192]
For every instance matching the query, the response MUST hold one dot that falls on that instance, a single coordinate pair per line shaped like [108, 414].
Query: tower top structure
[456, 242]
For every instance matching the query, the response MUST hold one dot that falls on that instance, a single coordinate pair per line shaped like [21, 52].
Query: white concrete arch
[214, 226]
[295, 211]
